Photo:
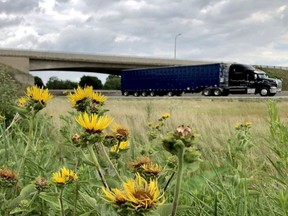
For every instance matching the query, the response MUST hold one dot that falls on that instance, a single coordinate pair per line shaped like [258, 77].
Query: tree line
[112, 83]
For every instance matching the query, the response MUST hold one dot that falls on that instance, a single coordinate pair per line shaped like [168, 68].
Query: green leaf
[25, 192]
[51, 198]
[87, 158]
[90, 200]
[166, 209]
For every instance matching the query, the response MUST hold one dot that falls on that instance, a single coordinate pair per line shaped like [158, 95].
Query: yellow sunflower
[93, 123]
[152, 169]
[136, 193]
[80, 94]
[69, 174]
[165, 115]
[115, 196]
[22, 101]
[141, 194]
[122, 146]
[121, 132]
[59, 178]
[98, 97]
[38, 94]
[64, 176]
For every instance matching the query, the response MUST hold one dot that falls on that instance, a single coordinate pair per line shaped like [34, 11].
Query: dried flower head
[41, 183]
[76, 138]
[139, 162]
[7, 177]
[183, 131]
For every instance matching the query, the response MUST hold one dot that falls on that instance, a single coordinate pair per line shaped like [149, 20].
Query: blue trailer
[212, 79]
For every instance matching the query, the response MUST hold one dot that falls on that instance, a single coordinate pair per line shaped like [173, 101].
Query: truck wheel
[152, 94]
[217, 92]
[170, 94]
[206, 92]
[264, 92]
[126, 93]
[136, 94]
[144, 94]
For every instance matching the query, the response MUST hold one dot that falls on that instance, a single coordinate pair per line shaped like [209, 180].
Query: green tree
[113, 82]
[90, 81]
[56, 83]
[38, 81]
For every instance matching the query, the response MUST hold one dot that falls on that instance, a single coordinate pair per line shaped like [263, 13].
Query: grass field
[214, 117]
[214, 120]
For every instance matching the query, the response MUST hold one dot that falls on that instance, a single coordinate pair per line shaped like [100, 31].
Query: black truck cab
[247, 79]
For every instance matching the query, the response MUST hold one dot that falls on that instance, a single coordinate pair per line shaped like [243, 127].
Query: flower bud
[191, 155]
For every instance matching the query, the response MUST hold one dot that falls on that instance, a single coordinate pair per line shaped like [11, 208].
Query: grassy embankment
[280, 74]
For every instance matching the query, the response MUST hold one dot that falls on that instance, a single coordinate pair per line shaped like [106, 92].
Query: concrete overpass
[28, 60]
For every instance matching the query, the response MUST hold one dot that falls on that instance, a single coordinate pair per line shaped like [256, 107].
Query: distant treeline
[112, 83]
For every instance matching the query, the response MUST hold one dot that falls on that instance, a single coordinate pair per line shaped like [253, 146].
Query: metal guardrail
[273, 67]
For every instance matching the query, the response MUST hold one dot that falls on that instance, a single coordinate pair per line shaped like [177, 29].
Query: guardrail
[274, 67]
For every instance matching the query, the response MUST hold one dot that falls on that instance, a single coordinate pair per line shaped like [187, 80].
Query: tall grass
[243, 170]
[214, 120]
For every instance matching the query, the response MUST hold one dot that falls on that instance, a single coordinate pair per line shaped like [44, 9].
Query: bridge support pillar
[21, 64]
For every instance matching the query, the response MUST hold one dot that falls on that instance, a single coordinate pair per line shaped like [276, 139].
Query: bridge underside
[26, 60]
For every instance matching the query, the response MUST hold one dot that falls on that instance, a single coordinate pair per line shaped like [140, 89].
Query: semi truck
[217, 79]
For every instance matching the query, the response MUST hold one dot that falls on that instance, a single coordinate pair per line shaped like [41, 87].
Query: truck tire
[136, 94]
[170, 94]
[206, 92]
[152, 94]
[126, 93]
[217, 92]
[144, 94]
[264, 92]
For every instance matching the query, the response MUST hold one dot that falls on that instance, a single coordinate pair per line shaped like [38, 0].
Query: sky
[244, 31]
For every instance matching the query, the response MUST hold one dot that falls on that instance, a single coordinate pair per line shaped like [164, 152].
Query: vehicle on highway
[218, 79]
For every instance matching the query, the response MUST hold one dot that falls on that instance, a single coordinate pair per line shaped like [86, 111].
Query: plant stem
[179, 180]
[28, 144]
[61, 202]
[111, 164]
[96, 163]
[170, 179]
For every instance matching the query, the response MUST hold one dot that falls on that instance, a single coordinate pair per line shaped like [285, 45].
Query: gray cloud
[254, 32]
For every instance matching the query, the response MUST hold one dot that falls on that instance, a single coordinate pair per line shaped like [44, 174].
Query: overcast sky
[244, 31]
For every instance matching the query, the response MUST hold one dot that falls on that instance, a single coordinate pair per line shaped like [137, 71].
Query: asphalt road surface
[281, 95]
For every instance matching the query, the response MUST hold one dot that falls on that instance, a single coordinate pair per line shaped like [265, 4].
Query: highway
[117, 94]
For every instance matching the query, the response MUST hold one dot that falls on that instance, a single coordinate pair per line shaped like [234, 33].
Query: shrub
[8, 93]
